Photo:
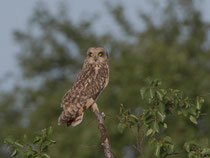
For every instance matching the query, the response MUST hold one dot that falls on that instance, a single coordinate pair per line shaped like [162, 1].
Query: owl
[90, 82]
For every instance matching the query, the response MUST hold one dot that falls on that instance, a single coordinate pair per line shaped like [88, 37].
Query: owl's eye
[91, 54]
[100, 54]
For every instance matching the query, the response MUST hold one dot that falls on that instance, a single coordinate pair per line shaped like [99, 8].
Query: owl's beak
[95, 58]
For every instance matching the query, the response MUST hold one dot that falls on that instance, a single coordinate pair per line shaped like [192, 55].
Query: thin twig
[104, 136]
[174, 153]
[138, 141]
[141, 143]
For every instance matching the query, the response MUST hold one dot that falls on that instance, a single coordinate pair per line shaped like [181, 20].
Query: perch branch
[140, 142]
[104, 136]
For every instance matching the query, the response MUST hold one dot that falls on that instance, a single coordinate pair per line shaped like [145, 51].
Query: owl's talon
[95, 108]
[103, 114]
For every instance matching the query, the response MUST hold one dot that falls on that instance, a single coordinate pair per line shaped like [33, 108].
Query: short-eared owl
[89, 84]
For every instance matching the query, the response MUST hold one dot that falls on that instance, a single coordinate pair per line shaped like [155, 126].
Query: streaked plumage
[90, 82]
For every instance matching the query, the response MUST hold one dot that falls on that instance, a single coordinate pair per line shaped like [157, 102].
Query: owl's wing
[86, 89]
[72, 105]
[77, 91]
[89, 84]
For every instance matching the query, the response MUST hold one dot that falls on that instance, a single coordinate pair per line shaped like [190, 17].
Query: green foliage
[152, 121]
[127, 120]
[38, 148]
[195, 150]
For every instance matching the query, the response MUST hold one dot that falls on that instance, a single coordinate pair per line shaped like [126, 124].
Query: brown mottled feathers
[89, 84]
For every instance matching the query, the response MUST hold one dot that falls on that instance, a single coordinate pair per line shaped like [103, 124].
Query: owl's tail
[66, 118]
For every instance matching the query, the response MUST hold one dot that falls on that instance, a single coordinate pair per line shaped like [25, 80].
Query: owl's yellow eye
[91, 54]
[100, 54]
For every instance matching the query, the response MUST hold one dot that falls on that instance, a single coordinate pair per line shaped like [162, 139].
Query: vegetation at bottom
[149, 127]
[36, 149]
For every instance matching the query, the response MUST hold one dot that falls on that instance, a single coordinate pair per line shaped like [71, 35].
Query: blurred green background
[172, 44]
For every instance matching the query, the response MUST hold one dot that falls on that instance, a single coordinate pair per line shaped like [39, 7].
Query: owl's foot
[95, 108]
[103, 115]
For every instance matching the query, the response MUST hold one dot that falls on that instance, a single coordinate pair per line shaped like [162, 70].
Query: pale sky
[14, 15]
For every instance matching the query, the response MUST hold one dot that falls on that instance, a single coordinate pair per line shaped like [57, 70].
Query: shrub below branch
[152, 121]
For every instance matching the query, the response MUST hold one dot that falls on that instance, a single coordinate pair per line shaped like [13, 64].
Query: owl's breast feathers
[89, 84]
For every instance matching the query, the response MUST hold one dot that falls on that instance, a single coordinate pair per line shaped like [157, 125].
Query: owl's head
[96, 55]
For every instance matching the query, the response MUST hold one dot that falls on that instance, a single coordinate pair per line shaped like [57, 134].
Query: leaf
[35, 154]
[158, 83]
[165, 125]
[133, 120]
[18, 144]
[29, 155]
[149, 132]
[149, 119]
[187, 104]
[159, 95]
[133, 116]
[47, 156]
[161, 107]
[155, 127]
[14, 153]
[167, 139]
[192, 155]
[37, 140]
[49, 130]
[187, 146]
[198, 105]
[201, 100]
[142, 92]
[151, 93]
[150, 100]
[161, 116]
[162, 91]
[193, 119]
[176, 91]
[44, 131]
[192, 110]
[171, 148]
[206, 151]
[52, 141]
[191, 146]
[157, 150]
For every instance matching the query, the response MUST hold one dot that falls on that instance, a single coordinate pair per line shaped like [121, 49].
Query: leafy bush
[36, 149]
[152, 122]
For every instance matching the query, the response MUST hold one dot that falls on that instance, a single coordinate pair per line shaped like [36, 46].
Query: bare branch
[138, 141]
[174, 153]
[104, 136]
